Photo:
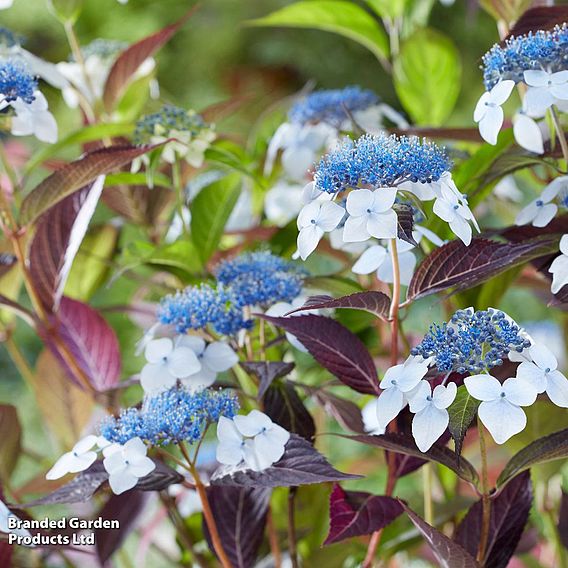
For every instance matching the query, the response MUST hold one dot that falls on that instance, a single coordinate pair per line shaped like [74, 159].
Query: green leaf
[335, 285]
[128, 178]
[388, 8]
[462, 412]
[492, 292]
[66, 10]
[210, 212]
[10, 441]
[549, 448]
[337, 16]
[427, 76]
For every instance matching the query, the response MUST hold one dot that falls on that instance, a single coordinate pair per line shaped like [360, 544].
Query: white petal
[537, 100]
[121, 482]
[370, 418]
[330, 216]
[519, 392]
[543, 357]
[61, 466]
[297, 161]
[267, 453]
[155, 378]
[114, 463]
[545, 214]
[308, 239]
[309, 214]
[355, 229]
[428, 425]
[559, 270]
[502, 91]
[490, 124]
[195, 343]
[502, 419]
[564, 244]
[461, 229]
[277, 435]
[204, 378]
[557, 389]
[527, 134]
[383, 199]
[530, 373]
[481, 107]
[411, 375]
[483, 387]
[134, 448]
[253, 423]
[370, 260]
[227, 431]
[229, 452]
[183, 362]
[390, 403]
[443, 396]
[85, 444]
[220, 357]
[420, 395]
[157, 349]
[560, 91]
[527, 214]
[383, 225]
[142, 467]
[358, 201]
[45, 127]
[536, 78]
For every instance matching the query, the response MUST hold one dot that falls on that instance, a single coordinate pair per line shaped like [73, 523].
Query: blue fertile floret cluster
[16, 82]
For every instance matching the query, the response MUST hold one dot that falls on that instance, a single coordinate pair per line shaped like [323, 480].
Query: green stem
[485, 500]
[292, 542]
[559, 132]
[428, 502]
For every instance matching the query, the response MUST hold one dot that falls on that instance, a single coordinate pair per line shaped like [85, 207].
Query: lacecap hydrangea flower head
[539, 61]
[357, 184]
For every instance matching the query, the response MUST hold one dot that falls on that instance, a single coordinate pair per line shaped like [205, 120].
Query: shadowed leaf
[10, 441]
[455, 265]
[563, 520]
[240, 514]
[549, 448]
[59, 233]
[448, 553]
[540, 18]
[74, 176]
[405, 219]
[355, 513]
[266, 372]
[509, 515]
[375, 303]
[335, 348]
[301, 464]
[347, 413]
[462, 412]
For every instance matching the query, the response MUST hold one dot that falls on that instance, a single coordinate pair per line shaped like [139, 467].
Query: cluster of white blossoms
[187, 358]
[544, 208]
[252, 441]
[125, 463]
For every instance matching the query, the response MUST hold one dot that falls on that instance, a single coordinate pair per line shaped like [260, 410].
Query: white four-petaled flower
[315, 219]
[126, 464]
[453, 208]
[541, 211]
[559, 267]
[542, 373]
[80, 458]
[34, 119]
[488, 112]
[544, 89]
[370, 215]
[500, 410]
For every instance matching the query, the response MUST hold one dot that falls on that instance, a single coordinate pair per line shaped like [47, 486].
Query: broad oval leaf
[509, 515]
[10, 441]
[132, 57]
[448, 553]
[301, 464]
[334, 347]
[347, 413]
[59, 233]
[549, 448]
[373, 302]
[74, 176]
[338, 16]
[240, 515]
[455, 265]
[91, 341]
[427, 77]
[539, 18]
[356, 513]
[402, 444]
[462, 412]
[266, 372]
[405, 220]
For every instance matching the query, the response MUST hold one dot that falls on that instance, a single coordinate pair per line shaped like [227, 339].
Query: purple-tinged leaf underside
[266, 372]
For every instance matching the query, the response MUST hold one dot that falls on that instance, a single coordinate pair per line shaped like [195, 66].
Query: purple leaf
[355, 513]
[448, 553]
[124, 508]
[266, 372]
[301, 464]
[58, 236]
[7, 261]
[10, 441]
[284, 406]
[509, 514]
[403, 444]
[549, 448]
[563, 520]
[347, 413]
[455, 265]
[335, 348]
[240, 514]
[375, 303]
[405, 219]
[539, 18]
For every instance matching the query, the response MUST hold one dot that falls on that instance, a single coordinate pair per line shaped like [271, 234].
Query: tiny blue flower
[16, 82]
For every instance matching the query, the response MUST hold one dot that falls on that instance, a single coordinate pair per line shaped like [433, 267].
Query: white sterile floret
[34, 119]
[541, 211]
[214, 358]
[500, 410]
[80, 458]
[544, 89]
[253, 439]
[431, 417]
[542, 373]
[283, 202]
[370, 215]
[528, 134]
[397, 383]
[559, 267]
[488, 112]
[126, 464]
[370, 418]
[315, 219]
[453, 208]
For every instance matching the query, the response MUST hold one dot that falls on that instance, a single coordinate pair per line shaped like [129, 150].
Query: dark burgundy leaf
[58, 236]
[7, 260]
[509, 515]
[403, 444]
[540, 18]
[347, 413]
[301, 464]
[132, 57]
[335, 348]
[285, 407]
[563, 520]
[405, 218]
[6, 303]
[90, 340]
[124, 508]
[448, 553]
[10, 441]
[160, 478]
[266, 372]
[405, 465]
[375, 303]
[6, 551]
[522, 233]
[74, 176]
[548, 448]
[455, 265]
[355, 513]
[240, 514]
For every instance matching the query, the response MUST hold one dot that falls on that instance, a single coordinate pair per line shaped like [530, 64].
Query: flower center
[429, 398]
[539, 203]
[503, 395]
[547, 370]
[313, 221]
